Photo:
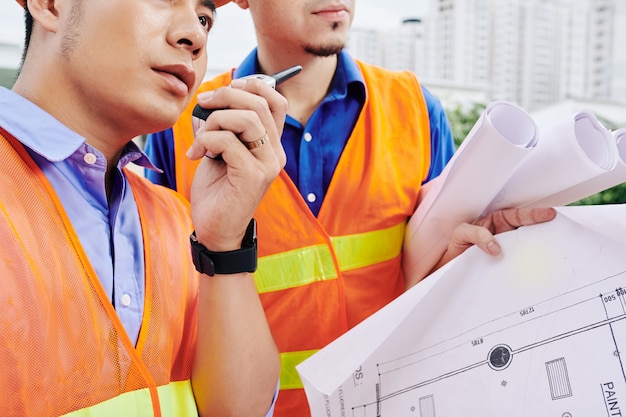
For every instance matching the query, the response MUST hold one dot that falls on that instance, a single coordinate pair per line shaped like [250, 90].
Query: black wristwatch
[230, 262]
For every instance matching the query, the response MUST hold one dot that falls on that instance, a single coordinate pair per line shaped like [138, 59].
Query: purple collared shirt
[110, 232]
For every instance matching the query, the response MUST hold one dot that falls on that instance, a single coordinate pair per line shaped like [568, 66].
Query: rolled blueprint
[500, 140]
[568, 154]
[594, 185]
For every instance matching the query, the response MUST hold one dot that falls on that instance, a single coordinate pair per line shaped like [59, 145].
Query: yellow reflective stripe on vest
[294, 268]
[289, 377]
[365, 249]
[315, 263]
[176, 399]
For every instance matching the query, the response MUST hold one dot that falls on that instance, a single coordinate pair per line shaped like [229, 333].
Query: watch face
[500, 357]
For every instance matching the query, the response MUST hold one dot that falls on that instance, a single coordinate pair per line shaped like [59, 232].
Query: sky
[233, 35]
[229, 44]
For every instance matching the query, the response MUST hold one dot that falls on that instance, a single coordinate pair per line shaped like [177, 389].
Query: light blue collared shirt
[76, 170]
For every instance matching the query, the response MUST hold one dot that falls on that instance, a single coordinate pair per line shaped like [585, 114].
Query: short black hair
[28, 25]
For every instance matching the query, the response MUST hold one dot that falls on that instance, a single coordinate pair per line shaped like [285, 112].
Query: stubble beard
[326, 50]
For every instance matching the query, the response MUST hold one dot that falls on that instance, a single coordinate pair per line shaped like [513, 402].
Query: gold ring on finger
[258, 143]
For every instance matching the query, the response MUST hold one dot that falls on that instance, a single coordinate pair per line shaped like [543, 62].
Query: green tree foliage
[613, 195]
[462, 119]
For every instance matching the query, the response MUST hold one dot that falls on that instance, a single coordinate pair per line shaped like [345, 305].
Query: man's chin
[324, 51]
[159, 121]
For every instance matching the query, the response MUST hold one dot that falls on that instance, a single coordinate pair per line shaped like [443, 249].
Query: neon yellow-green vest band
[289, 377]
[176, 399]
[314, 263]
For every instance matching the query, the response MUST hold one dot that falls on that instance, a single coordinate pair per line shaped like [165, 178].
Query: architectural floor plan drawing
[512, 358]
[540, 331]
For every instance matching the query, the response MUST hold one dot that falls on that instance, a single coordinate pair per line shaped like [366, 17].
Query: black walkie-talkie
[271, 80]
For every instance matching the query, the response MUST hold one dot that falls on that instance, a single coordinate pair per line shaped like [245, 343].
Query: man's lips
[333, 12]
[180, 76]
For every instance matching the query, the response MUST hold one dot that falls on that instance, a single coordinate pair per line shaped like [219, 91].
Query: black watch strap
[229, 262]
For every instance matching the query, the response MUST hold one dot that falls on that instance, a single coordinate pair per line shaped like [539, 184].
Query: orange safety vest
[319, 277]
[64, 350]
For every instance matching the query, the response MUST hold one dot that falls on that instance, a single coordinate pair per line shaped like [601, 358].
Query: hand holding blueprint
[506, 161]
[537, 331]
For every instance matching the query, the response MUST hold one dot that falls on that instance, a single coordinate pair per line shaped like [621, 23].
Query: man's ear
[46, 13]
[241, 3]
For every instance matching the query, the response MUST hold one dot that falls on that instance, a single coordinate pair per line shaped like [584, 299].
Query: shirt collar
[36, 128]
[43, 134]
[249, 66]
[350, 67]
[347, 80]
[346, 65]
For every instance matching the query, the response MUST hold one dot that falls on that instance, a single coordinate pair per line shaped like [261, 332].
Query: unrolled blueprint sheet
[537, 331]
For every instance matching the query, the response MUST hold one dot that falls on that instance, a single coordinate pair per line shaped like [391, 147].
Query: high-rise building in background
[369, 43]
[589, 34]
[619, 52]
[404, 45]
[531, 52]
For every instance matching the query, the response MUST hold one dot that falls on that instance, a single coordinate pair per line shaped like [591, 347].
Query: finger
[250, 94]
[463, 237]
[263, 140]
[273, 105]
[225, 145]
[274, 119]
[247, 126]
[246, 95]
[539, 215]
[509, 219]
[213, 143]
[277, 103]
[466, 235]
